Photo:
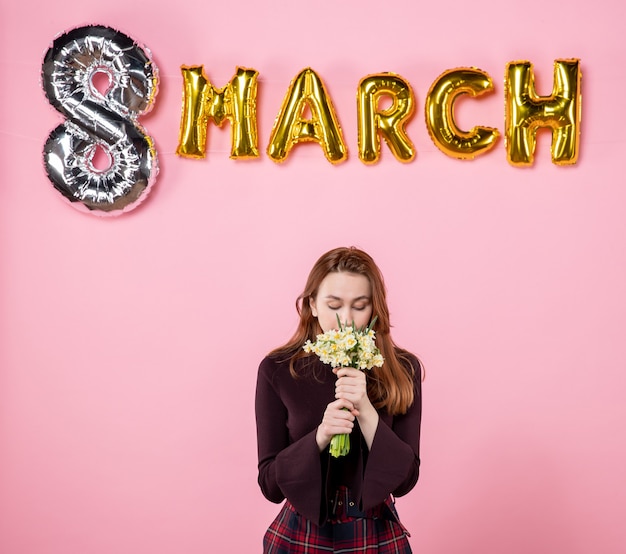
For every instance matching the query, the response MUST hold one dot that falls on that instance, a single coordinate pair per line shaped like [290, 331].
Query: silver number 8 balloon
[100, 119]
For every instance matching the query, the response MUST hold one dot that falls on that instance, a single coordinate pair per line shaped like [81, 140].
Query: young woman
[338, 504]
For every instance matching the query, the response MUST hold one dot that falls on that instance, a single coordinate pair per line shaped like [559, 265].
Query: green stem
[339, 445]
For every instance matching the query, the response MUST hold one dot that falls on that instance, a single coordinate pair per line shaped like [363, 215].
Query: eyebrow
[364, 297]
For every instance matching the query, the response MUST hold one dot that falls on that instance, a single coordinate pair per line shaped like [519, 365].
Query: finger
[352, 378]
[351, 391]
[343, 413]
[340, 424]
[341, 403]
[350, 386]
[347, 371]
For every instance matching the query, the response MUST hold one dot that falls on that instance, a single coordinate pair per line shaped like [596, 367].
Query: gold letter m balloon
[236, 102]
[526, 112]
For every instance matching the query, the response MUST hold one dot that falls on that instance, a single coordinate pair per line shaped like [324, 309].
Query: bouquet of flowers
[346, 346]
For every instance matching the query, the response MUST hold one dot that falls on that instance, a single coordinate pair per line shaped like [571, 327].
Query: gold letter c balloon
[440, 115]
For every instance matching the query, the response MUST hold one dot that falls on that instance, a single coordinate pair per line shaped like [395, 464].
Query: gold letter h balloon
[526, 112]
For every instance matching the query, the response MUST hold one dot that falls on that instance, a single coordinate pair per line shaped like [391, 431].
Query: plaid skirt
[375, 531]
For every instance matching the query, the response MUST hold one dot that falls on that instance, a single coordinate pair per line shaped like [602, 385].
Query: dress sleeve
[286, 470]
[393, 462]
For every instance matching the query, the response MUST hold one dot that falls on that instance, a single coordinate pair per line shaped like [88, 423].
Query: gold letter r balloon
[389, 122]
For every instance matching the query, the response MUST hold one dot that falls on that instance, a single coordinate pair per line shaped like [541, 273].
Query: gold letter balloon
[291, 126]
[385, 104]
[526, 112]
[443, 130]
[389, 122]
[236, 102]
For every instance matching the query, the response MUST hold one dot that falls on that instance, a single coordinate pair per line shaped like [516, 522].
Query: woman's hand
[351, 386]
[338, 419]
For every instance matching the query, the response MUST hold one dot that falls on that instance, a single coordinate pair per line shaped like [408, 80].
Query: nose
[346, 316]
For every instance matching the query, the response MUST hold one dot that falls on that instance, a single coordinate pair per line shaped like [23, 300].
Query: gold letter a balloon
[291, 127]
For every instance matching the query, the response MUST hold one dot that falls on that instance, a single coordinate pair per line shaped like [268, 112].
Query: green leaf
[371, 325]
[339, 322]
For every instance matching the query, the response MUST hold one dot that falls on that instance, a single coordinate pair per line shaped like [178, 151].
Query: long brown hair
[390, 386]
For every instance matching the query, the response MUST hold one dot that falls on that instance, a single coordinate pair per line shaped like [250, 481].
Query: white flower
[347, 347]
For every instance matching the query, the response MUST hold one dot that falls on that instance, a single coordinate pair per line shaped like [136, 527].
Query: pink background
[129, 346]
